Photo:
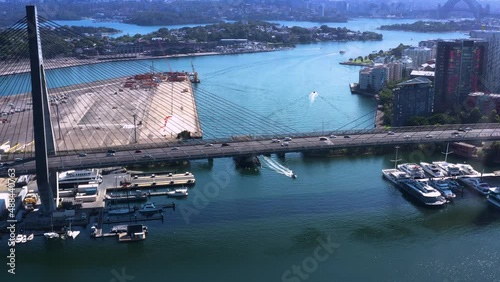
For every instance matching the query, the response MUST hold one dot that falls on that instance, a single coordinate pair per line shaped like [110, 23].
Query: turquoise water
[263, 226]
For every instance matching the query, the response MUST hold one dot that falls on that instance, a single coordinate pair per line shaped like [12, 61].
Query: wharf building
[459, 71]
[491, 65]
[418, 55]
[414, 97]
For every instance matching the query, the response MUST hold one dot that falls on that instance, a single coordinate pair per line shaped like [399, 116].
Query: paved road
[260, 147]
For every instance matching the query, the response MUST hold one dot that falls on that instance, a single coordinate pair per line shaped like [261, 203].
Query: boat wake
[277, 167]
[313, 96]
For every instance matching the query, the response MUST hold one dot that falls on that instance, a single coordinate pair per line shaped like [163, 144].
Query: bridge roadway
[263, 145]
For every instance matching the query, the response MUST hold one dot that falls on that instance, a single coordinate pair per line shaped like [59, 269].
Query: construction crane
[194, 75]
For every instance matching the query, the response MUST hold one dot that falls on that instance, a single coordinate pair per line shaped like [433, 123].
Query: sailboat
[71, 233]
[52, 234]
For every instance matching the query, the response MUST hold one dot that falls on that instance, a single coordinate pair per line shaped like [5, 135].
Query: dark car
[347, 136]
[138, 151]
[111, 151]
[461, 129]
[224, 145]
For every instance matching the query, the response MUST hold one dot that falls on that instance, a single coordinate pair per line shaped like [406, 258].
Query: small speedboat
[178, 193]
[51, 235]
[72, 234]
[149, 208]
[30, 237]
[19, 238]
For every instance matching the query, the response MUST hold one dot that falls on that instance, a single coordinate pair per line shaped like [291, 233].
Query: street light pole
[135, 128]
[58, 120]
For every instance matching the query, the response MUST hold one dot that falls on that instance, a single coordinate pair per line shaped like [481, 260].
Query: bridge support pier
[43, 134]
[247, 162]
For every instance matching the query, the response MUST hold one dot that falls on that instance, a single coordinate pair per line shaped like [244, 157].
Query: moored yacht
[75, 177]
[444, 187]
[395, 175]
[423, 192]
[449, 169]
[477, 184]
[414, 170]
[494, 197]
[467, 169]
[432, 169]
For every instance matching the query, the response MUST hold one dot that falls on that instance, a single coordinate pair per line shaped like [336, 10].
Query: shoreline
[64, 63]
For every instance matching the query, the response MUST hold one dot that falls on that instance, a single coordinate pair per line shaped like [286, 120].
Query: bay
[262, 225]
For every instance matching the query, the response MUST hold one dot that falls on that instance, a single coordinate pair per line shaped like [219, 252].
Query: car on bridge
[82, 154]
[407, 136]
[175, 148]
[224, 145]
[287, 139]
[209, 145]
[333, 136]
[284, 144]
[275, 141]
[323, 138]
[390, 133]
[347, 136]
[429, 136]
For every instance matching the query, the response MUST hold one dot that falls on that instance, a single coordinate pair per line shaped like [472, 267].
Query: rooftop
[416, 80]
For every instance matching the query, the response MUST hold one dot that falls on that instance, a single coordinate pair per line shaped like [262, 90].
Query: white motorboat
[432, 169]
[19, 238]
[477, 184]
[395, 175]
[467, 169]
[494, 197]
[178, 193]
[72, 234]
[149, 208]
[30, 237]
[120, 211]
[51, 235]
[423, 192]
[444, 187]
[414, 170]
[449, 169]
[24, 239]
